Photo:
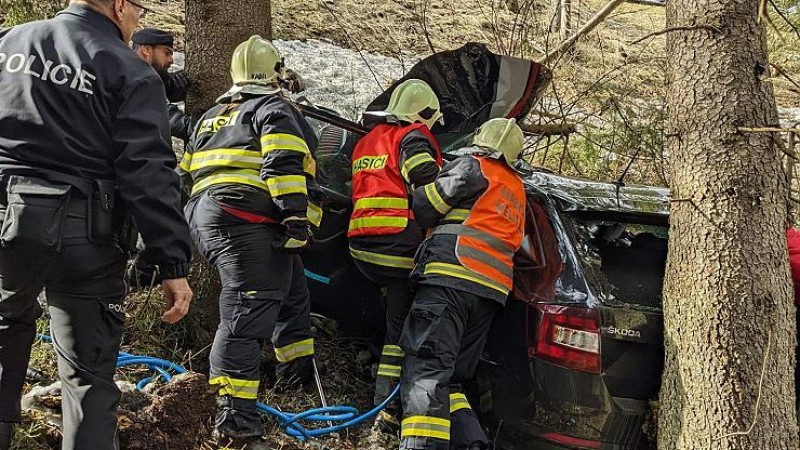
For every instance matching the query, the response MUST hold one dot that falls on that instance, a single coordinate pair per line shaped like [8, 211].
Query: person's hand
[292, 81]
[295, 237]
[177, 298]
[177, 85]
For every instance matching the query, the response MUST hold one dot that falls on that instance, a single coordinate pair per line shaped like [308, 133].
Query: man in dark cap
[156, 47]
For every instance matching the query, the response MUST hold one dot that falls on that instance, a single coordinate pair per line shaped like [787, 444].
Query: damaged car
[575, 361]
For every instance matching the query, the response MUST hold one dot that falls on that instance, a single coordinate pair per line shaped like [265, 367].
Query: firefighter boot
[297, 372]
[477, 446]
[239, 424]
[6, 433]
[247, 443]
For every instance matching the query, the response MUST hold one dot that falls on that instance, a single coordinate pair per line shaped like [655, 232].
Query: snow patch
[338, 78]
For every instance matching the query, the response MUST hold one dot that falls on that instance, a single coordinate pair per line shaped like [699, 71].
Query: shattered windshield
[624, 261]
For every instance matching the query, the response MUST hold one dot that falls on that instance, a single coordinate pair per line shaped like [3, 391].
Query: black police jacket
[74, 99]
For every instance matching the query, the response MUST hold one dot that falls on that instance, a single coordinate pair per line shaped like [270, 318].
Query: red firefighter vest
[380, 195]
[491, 234]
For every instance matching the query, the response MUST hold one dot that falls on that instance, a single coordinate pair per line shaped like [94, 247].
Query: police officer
[84, 143]
[463, 275]
[398, 154]
[156, 48]
[251, 173]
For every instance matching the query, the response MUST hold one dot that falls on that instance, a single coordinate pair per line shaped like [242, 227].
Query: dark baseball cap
[153, 36]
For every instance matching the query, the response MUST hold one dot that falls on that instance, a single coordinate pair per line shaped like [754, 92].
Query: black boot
[6, 435]
[242, 443]
[296, 373]
[237, 419]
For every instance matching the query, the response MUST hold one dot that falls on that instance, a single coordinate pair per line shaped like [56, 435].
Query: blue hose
[289, 422]
[317, 277]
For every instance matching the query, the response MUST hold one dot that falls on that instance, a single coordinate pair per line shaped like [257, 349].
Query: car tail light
[569, 337]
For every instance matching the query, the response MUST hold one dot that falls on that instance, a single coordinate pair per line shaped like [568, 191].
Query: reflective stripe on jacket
[474, 253]
[380, 192]
[261, 142]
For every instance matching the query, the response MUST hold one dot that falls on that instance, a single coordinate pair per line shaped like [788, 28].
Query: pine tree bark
[727, 307]
[213, 30]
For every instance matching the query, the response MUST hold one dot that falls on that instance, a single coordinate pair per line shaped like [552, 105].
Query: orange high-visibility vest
[380, 195]
[491, 234]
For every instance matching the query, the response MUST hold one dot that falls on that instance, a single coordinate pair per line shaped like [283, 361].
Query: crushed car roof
[583, 195]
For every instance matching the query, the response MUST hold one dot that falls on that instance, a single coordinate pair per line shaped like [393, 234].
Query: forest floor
[613, 76]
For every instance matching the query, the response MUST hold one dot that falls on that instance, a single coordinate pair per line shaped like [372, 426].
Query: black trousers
[443, 338]
[399, 297]
[85, 289]
[264, 295]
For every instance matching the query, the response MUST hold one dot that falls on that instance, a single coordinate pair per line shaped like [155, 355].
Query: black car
[575, 360]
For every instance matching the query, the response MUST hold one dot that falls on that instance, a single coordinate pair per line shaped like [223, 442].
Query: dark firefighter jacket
[387, 164]
[76, 101]
[476, 212]
[255, 155]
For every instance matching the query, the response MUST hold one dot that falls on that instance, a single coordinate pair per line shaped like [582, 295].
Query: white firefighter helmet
[255, 61]
[501, 136]
[413, 100]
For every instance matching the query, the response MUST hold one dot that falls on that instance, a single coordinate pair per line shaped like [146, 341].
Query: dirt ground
[179, 415]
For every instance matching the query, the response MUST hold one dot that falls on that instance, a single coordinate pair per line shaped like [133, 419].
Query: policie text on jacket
[52, 71]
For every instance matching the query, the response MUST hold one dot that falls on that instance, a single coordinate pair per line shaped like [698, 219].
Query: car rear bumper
[574, 410]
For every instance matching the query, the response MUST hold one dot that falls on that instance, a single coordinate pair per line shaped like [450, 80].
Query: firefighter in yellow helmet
[463, 274]
[250, 172]
[397, 155]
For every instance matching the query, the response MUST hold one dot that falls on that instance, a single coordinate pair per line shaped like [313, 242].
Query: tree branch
[667, 30]
[589, 26]
[768, 130]
[784, 74]
[785, 19]
[549, 129]
[423, 18]
[758, 398]
[649, 2]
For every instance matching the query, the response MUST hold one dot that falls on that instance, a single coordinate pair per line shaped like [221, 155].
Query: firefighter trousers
[85, 289]
[443, 338]
[399, 297]
[263, 295]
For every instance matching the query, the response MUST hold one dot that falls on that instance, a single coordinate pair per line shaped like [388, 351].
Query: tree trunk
[566, 18]
[727, 307]
[213, 30]
[555, 16]
[561, 18]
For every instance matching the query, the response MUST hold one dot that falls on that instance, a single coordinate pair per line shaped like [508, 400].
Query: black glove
[296, 236]
[177, 84]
